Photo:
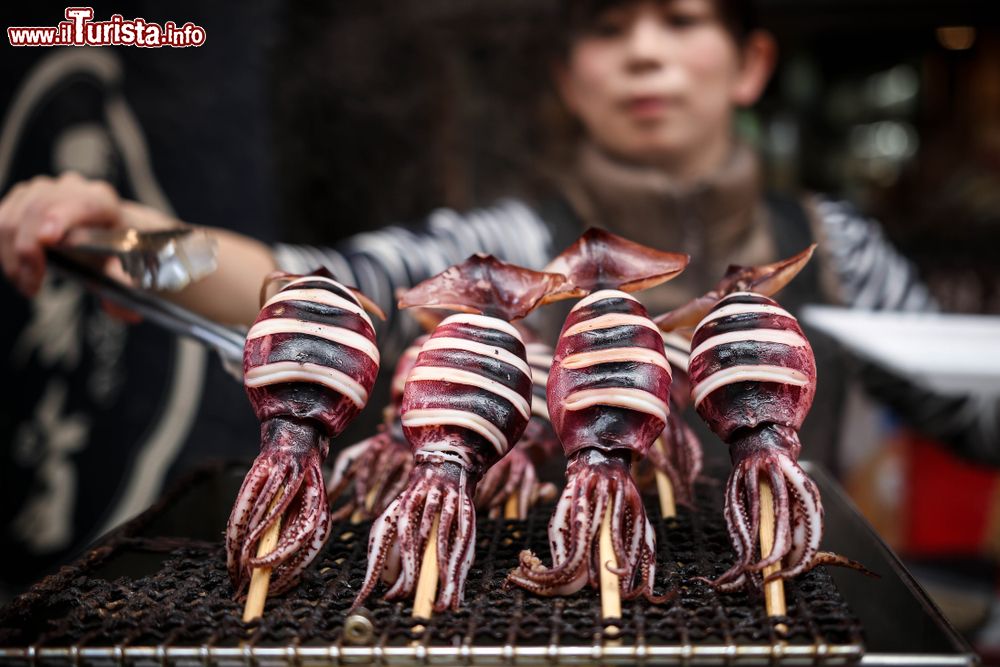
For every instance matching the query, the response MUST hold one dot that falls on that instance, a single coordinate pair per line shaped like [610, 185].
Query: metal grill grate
[169, 599]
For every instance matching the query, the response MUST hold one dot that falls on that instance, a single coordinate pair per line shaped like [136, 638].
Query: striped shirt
[378, 263]
[869, 273]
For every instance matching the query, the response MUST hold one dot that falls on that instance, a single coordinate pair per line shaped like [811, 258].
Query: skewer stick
[427, 583]
[668, 508]
[774, 592]
[260, 579]
[510, 508]
[359, 514]
[611, 600]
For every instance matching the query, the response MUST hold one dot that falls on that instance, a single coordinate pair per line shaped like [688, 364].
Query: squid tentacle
[782, 522]
[280, 472]
[681, 457]
[381, 541]
[810, 510]
[625, 557]
[345, 465]
[310, 515]
[433, 490]
[290, 480]
[236, 529]
[578, 545]
[517, 476]
[376, 469]
[829, 558]
[461, 550]
[739, 531]
[296, 474]
[513, 476]
[288, 571]
[798, 520]
[407, 532]
[596, 482]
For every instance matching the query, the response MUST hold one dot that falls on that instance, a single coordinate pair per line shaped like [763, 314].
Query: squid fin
[690, 313]
[767, 279]
[367, 303]
[602, 260]
[485, 285]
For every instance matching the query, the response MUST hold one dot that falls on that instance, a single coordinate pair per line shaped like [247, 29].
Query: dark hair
[575, 16]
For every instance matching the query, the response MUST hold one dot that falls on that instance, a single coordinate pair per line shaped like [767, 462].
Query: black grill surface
[139, 590]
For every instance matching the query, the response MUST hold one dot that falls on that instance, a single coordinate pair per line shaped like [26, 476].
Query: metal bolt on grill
[161, 599]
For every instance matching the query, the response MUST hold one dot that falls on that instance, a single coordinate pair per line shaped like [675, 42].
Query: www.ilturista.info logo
[79, 29]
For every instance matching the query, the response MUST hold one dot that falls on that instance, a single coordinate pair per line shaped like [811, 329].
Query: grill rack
[150, 594]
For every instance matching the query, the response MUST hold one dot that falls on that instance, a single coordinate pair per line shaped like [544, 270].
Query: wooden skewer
[774, 592]
[668, 508]
[427, 582]
[260, 579]
[510, 508]
[611, 600]
[359, 514]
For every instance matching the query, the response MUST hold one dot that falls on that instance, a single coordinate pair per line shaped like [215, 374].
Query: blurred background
[309, 121]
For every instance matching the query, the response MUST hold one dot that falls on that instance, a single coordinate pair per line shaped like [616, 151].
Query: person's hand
[37, 214]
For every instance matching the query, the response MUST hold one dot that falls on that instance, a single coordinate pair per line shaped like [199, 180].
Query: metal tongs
[161, 260]
[165, 259]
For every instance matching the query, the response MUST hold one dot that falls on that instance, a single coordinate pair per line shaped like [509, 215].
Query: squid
[465, 404]
[515, 474]
[753, 379]
[376, 469]
[309, 365]
[607, 398]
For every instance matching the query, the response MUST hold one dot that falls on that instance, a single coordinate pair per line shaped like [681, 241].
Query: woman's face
[656, 82]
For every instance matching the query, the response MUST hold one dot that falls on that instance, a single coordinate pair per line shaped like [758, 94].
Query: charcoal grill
[155, 592]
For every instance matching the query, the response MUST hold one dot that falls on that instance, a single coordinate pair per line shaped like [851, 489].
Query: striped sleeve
[871, 274]
[380, 262]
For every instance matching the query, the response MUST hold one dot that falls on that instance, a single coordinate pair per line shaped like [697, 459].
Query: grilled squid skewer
[309, 364]
[753, 377]
[607, 398]
[465, 404]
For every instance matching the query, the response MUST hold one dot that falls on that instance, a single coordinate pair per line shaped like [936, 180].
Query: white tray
[954, 354]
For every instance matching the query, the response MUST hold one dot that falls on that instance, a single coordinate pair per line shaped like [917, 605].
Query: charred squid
[309, 364]
[607, 399]
[465, 404]
[753, 378]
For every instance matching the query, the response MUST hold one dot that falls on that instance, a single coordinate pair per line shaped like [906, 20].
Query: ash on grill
[188, 600]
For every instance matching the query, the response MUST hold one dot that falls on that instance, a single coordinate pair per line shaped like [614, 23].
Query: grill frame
[424, 652]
